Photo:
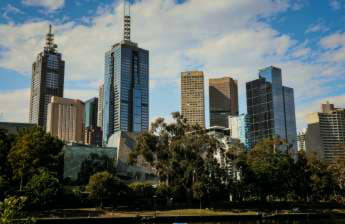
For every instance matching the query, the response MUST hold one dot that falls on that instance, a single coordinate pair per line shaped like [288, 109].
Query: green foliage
[142, 190]
[33, 150]
[106, 188]
[42, 189]
[94, 164]
[12, 208]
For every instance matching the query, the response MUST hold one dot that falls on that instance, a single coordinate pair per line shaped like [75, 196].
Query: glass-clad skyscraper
[90, 113]
[271, 108]
[126, 87]
[48, 73]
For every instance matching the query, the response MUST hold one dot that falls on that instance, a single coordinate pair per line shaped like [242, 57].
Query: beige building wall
[192, 97]
[65, 119]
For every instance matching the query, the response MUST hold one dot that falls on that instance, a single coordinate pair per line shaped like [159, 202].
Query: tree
[179, 154]
[105, 188]
[42, 189]
[34, 149]
[199, 191]
[13, 208]
[94, 164]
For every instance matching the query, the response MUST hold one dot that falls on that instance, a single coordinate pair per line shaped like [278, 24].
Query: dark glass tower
[90, 113]
[271, 108]
[126, 87]
[47, 80]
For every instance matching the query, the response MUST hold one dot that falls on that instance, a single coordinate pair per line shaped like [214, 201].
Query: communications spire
[126, 21]
[50, 46]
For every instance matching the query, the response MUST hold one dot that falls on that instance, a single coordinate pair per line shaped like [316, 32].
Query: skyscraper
[238, 126]
[271, 108]
[126, 86]
[192, 97]
[325, 135]
[100, 106]
[223, 95]
[91, 111]
[65, 119]
[47, 80]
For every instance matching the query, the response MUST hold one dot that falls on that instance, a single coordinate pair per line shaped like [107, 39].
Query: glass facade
[270, 106]
[126, 89]
[91, 111]
[238, 126]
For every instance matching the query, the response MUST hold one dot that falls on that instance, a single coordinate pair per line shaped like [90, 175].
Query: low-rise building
[14, 127]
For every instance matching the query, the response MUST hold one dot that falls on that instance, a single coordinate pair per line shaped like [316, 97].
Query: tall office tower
[126, 86]
[90, 114]
[271, 108]
[192, 97]
[47, 80]
[223, 93]
[238, 126]
[100, 106]
[326, 133]
[301, 140]
[65, 119]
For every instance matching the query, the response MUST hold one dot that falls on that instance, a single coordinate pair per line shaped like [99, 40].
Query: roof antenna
[126, 21]
[50, 46]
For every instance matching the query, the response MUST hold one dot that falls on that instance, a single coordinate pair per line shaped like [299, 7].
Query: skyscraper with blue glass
[126, 87]
[271, 108]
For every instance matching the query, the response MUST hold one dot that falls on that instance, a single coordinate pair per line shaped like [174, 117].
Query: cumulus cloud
[317, 27]
[335, 47]
[51, 5]
[220, 37]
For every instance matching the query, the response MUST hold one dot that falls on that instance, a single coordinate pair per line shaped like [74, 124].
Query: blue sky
[306, 38]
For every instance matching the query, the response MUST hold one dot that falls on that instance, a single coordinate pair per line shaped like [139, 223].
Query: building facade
[325, 135]
[238, 126]
[126, 87]
[301, 141]
[47, 80]
[15, 128]
[90, 113]
[271, 108]
[223, 100]
[93, 136]
[192, 97]
[100, 106]
[66, 119]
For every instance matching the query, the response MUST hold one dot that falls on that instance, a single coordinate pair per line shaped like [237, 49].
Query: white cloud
[335, 47]
[51, 5]
[220, 37]
[317, 27]
[15, 104]
[10, 10]
[336, 4]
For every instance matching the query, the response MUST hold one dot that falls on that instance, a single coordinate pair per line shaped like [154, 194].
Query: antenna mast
[50, 46]
[126, 21]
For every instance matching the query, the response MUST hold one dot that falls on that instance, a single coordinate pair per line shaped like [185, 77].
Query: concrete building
[47, 80]
[223, 136]
[192, 97]
[93, 136]
[14, 127]
[325, 135]
[301, 140]
[125, 142]
[223, 100]
[90, 113]
[66, 119]
[238, 126]
[271, 108]
[126, 86]
[100, 106]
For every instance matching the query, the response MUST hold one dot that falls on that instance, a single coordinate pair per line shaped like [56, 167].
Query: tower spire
[50, 46]
[126, 21]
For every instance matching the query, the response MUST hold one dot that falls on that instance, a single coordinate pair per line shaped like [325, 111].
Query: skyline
[224, 50]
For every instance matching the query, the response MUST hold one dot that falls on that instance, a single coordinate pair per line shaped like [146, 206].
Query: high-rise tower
[193, 98]
[47, 80]
[223, 94]
[126, 85]
[271, 108]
